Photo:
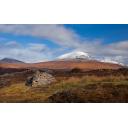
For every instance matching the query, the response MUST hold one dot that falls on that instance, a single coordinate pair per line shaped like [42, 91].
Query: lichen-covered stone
[40, 79]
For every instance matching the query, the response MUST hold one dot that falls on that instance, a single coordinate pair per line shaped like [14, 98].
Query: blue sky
[34, 43]
[107, 32]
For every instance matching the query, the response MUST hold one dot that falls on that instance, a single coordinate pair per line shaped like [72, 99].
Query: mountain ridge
[75, 59]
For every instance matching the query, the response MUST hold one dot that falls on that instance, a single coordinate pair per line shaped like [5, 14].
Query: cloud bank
[33, 52]
[63, 37]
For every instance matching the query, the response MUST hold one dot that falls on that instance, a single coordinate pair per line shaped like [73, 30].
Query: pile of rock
[40, 79]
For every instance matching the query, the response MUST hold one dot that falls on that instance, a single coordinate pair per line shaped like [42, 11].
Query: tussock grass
[21, 93]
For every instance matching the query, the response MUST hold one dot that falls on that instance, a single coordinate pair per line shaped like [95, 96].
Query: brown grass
[64, 65]
[99, 86]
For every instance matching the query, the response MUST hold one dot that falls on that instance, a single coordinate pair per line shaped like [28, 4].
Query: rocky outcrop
[40, 79]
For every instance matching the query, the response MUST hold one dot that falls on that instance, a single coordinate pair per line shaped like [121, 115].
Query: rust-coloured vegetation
[73, 86]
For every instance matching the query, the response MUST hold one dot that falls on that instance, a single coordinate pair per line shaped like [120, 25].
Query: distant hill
[61, 64]
[70, 64]
[10, 60]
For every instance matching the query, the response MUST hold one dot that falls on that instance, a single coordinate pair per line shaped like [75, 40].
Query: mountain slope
[85, 65]
[10, 60]
[70, 64]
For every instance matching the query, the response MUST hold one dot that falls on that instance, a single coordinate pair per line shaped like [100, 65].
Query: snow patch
[75, 55]
[110, 60]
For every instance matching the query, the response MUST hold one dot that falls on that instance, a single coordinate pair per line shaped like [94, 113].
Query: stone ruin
[40, 79]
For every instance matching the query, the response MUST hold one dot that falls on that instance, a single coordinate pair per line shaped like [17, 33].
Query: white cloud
[33, 52]
[36, 47]
[120, 48]
[56, 33]
[12, 44]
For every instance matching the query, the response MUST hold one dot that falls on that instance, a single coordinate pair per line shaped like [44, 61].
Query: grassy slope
[87, 65]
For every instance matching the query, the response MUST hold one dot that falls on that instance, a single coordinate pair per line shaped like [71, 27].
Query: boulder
[40, 79]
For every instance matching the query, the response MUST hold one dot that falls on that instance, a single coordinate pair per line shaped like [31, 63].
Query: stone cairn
[40, 79]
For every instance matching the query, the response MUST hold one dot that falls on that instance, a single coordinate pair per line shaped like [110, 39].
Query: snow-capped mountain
[75, 55]
[79, 55]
